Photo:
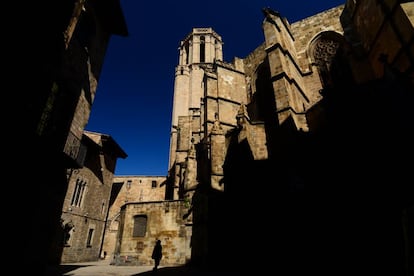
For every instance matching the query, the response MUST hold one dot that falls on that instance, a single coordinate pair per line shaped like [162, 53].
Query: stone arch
[261, 93]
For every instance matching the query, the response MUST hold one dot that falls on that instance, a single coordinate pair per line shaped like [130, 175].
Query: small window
[140, 226]
[103, 207]
[89, 240]
[154, 184]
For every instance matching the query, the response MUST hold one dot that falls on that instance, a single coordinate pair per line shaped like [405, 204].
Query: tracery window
[324, 53]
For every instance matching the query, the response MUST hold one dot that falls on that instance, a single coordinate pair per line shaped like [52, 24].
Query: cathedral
[296, 155]
[292, 159]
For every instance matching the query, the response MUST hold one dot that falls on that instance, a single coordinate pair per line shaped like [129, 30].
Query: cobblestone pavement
[104, 268]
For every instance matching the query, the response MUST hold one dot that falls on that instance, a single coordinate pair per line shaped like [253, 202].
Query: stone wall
[164, 222]
[126, 189]
[86, 204]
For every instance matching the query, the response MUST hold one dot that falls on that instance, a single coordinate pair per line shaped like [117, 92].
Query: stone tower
[200, 49]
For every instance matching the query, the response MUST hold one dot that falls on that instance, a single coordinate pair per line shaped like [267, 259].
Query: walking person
[157, 254]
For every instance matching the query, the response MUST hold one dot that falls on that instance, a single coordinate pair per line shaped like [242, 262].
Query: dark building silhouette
[57, 49]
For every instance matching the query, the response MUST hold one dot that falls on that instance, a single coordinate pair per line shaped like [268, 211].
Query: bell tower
[199, 49]
[201, 46]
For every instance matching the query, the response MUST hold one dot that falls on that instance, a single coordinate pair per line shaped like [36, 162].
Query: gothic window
[187, 50]
[202, 49]
[78, 193]
[261, 94]
[324, 52]
[140, 226]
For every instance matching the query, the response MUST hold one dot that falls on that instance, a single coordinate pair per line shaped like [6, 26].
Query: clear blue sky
[133, 103]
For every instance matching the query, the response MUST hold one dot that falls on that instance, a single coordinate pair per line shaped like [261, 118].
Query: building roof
[105, 142]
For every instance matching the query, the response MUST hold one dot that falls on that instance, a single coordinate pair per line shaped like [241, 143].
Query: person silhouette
[157, 254]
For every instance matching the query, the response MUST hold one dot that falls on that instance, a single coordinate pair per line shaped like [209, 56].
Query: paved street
[97, 268]
[103, 268]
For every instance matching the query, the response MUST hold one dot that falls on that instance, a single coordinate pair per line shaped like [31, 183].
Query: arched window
[186, 52]
[324, 51]
[262, 99]
[202, 49]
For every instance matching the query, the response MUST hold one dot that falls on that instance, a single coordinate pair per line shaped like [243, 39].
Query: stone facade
[141, 200]
[86, 204]
[309, 131]
[54, 93]
[163, 221]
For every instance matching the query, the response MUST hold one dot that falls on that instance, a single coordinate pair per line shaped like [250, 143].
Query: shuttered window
[140, 226]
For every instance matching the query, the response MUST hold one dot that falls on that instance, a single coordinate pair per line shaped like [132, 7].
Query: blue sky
[133, 103]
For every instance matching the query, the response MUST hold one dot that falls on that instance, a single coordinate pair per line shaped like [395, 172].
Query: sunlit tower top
[200, 48]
